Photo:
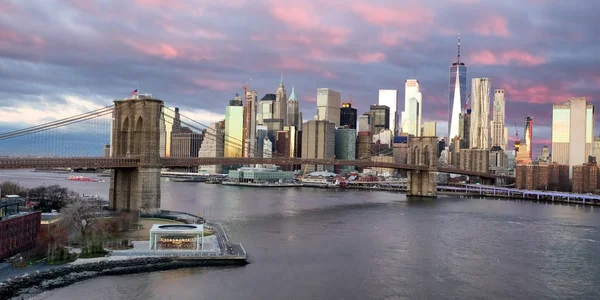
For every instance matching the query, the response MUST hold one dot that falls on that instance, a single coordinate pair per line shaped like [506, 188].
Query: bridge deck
[132, 162]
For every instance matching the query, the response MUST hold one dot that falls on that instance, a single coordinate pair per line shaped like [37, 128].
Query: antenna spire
[458, 57]
[281, 75]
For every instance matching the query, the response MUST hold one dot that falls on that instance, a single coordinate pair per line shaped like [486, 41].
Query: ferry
[323, 182]
[84, 179]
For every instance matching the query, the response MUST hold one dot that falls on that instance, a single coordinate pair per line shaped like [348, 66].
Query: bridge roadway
[132, 162]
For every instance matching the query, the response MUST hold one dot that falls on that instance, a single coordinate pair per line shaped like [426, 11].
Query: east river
[324, 244]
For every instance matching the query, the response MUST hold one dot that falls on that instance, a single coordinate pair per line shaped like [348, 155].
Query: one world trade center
[457, 94]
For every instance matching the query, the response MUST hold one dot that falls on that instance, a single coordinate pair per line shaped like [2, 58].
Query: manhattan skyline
[188, 54]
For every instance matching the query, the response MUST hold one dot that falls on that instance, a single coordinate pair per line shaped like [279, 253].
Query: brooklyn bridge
[132, 126]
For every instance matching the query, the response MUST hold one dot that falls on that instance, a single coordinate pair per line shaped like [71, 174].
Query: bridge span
[132, 162]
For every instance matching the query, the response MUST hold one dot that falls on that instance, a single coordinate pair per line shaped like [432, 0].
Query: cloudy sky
[61, 57]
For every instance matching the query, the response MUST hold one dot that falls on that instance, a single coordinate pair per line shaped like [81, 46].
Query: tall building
[328, 106]
[364, 123]
[457, 94]
[480, 113]
[212, 146]
[429, 129]
[318, 141]
[464, 129]
[499, 130]
[529, 135]
[294, 143]
[389, 98]
[572, 132]
[380, 118]
[348, 115]
[250, 124]
[170, 120]
[280, 106]
[261, 134]
[596, 152]
[294, 115]
[265, 108]
[413, 108]
[345, 143]
[234, 128]
[186, 144]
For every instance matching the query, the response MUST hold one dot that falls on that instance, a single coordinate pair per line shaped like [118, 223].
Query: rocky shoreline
[38, 282]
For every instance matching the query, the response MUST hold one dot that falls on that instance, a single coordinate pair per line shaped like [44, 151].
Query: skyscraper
[499, 130]
[212, 146]
[250, 124]
[480, 113]
[429, 129]
[280, 106]
[464, 129]
[328, 106]
[529, 135]
[318, 141]
[234, 128]
[389, 98]
[294, 117]
[265, 108]
[348, 115]
[572, 132]
[413, 109]
[457, 94]
[380, 118]
[170, 118]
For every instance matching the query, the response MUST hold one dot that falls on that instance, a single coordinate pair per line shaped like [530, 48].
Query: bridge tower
[422, 151]
[136, 134]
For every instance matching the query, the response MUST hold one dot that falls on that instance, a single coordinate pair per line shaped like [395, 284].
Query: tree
[11, 188]
[81, 215]
[50, 198]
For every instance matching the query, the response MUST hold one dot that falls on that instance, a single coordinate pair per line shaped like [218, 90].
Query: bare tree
[11, 188]
[81, 214]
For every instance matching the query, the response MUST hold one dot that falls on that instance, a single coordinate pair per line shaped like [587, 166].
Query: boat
[84, 179]
[190, 179]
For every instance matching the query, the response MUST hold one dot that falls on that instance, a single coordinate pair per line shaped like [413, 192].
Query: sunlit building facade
[328, 105]
[572, 132]
[499, 130]
[429, 129]
[480, 113]
[389, 98]
[457, 94]
[234, 128]
[413, 108]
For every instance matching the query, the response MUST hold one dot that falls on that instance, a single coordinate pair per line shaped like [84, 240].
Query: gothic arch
[416, 156]
[426, 156]
[124, 137]
[137, 136]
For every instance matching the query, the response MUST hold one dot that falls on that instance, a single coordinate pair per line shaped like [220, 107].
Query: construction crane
[517, 141]
[245, 87]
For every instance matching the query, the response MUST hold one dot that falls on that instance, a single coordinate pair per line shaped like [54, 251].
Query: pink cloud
[161, 4]
[11, 38]
[522, 58]
[169, 51]
[492, 26]
[309, 99]
[300, 15]
[388, 16]
[336, 35]
[373, 57]
[483, 58]
[215, 84]
[534, 92]
[518, 57]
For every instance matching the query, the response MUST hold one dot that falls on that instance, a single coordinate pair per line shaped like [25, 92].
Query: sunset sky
[62, 57]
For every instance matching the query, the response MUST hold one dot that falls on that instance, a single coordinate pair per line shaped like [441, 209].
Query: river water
[324, 244]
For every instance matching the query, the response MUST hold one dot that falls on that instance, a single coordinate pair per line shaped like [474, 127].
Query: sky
[62, 57]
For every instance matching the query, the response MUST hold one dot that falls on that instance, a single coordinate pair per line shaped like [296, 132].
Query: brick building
[18, 233]
[552, 177]
[585, 178]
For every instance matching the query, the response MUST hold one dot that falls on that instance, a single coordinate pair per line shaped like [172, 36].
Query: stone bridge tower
[136, 133]
[422, 151]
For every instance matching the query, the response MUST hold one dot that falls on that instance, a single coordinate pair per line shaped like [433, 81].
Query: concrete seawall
[29, 285]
